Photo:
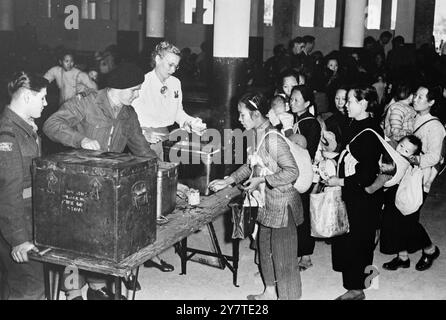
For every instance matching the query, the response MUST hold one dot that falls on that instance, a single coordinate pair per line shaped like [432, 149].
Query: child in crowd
[279, 117]
[70, 80]
[408, 147]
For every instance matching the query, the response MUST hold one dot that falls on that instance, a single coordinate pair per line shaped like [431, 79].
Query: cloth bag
[400, 162]
[409, 196]
[243, 217]
[328, 213]
[303, 161]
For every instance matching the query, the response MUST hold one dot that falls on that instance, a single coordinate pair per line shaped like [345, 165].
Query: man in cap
[101, 120]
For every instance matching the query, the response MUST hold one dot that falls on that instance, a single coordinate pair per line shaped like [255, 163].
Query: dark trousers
[354, 279]
[20, 281]
[278, 259]
[354, 275]
[399, 232]
[306, 241]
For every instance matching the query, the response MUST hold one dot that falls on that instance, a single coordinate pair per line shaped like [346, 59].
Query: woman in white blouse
[412, 235]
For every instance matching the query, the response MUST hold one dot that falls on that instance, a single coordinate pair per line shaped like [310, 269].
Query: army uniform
[90, 115]
[19, 144]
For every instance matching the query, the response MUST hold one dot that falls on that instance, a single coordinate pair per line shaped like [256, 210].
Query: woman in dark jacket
[352, 253]
[282, 211]
[338, 121]
[301, 101]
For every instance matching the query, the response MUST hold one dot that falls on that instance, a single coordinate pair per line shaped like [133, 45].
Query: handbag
[409, 196]
[328, 213]
[243, 217]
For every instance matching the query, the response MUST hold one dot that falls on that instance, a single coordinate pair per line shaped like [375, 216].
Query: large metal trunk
[198, 166]
[99, 204]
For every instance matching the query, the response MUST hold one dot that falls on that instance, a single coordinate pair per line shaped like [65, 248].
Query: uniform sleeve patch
[6, 146]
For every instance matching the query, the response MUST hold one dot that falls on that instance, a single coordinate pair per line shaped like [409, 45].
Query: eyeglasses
[163, 89]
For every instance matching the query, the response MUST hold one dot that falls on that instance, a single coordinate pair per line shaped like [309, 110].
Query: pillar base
[256, 49]
[7, 39]
[228, 83]
[350, 50]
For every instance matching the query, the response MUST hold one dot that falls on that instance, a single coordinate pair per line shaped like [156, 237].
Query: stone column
[354, 24]
[6, 25]
[155, 25]
[386, 14]
[256, 31]
[6, 15]
[424, 21]
[231, 49]
[405, 20]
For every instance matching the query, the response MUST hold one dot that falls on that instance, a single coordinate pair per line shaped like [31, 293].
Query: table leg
[46, 276]
[235, 256]
[183, 255]
[56, 284]
[135, 281]
[117, 288]
[215, 240]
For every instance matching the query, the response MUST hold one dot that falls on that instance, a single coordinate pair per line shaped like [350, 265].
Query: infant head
[278, 105]
[409, 146]
[299, 140]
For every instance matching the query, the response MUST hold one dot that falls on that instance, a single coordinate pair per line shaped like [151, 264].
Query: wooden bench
[184, 221]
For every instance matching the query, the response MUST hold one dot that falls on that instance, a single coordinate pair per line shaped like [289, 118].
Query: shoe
[396, 263]
[129, 283]
[427, 259]
[101, 294]
[253, 244]
[352, 295]
[77, 298]
[163, 265]
[256, 297]
[305, 264]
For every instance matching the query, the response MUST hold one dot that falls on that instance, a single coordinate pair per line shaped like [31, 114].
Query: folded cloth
[162, 132]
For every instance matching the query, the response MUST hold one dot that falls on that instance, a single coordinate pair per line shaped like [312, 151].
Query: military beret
[124, 76]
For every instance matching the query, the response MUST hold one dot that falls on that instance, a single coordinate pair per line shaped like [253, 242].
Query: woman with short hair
[160, 105]
[352, 253]
[306, 124]
[400, 234]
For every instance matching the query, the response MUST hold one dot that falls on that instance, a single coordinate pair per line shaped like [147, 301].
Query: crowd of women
[358, 112]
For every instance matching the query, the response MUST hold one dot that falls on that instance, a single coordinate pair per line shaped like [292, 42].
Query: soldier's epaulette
[86, 93]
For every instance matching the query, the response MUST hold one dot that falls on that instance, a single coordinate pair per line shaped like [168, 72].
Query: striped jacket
[280, 195]
[399, 121]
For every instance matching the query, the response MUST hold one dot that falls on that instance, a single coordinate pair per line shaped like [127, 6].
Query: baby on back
[283, 121]
[407, 147]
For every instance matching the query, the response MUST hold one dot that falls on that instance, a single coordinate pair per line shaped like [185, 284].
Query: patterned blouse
[280, 195]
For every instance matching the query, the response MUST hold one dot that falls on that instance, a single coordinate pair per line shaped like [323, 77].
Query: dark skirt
[306, 241]
[400, 232]
[352, 253]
